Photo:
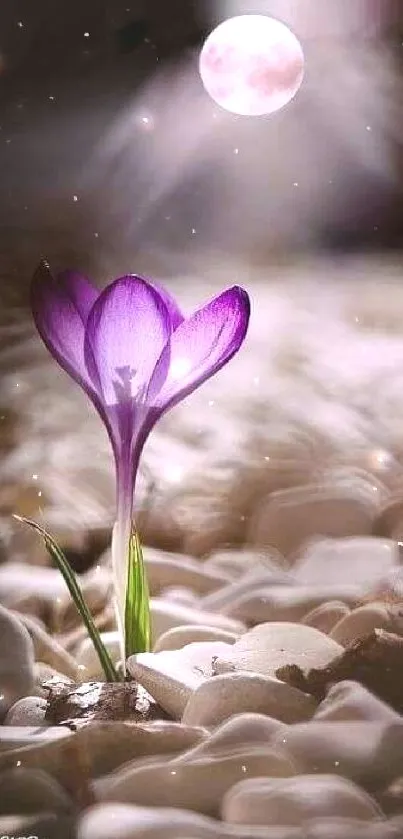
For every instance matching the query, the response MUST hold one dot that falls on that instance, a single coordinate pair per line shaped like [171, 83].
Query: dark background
[67, 69]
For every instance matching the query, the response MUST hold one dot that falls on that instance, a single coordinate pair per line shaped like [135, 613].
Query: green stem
[67, 572]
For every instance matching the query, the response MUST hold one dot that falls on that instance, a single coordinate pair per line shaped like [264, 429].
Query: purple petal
[199, 347]
[60, 307]
[126, 332]
[175, 314]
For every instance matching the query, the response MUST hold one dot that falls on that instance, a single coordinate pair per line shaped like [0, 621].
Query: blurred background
[113, 159]
[109, 141]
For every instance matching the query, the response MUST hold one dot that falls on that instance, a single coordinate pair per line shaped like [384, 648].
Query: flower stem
[69, 577]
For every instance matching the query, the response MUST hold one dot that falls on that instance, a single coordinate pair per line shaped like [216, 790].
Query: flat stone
[269, 646]
[325, 616]
[172, 676]
[47, 649]
[361, 622]
[94, 749]
[131, 822]
[295, 800]
[218, 698]
[194, 785]
[178, 637]
[166, 615]
[352, 701]
[239, 732]
[287, 602]
[365, 560]
[368, 753]
[335, 509]
[165, 570]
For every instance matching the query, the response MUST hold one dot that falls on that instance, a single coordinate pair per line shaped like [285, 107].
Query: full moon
[252, 65]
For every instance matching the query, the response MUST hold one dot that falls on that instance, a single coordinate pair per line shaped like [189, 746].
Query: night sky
[66, 71]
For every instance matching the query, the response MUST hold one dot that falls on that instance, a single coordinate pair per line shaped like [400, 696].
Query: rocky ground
[271, 509]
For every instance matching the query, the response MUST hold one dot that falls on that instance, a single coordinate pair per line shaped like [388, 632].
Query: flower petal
[175, 314]
[60, 306]
[199, 347]
[126, 332]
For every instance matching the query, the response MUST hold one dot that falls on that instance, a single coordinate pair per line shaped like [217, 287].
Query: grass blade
[67, 572]
[137, 606]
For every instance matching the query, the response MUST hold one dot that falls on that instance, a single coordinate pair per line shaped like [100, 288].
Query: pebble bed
[273, 550]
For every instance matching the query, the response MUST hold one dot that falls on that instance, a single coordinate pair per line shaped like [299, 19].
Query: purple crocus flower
[135, 355]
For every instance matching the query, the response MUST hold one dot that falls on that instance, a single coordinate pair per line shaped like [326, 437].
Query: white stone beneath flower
[172, 676]
[178, 637]
[269, 646]
[220, 697]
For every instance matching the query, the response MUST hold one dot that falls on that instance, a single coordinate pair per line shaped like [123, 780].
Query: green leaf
[137, 606]
[70, 579]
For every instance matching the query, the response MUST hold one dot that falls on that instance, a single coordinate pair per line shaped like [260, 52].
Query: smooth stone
[38, 825]
[96, 588]
[325, 616]
[269, 646]
[369, 753]
[240, 732]
[294, 800]
[19, 736]
[220, 697]
[182, 595]
[124, 821]
[361, 622]
[165, 570]
[389, 520]
[28, 711]
[287, 603]
[19, 579]
[178, 637]
[336, 509]
[98, 747]
[332, 561]
[238, 563]
[250, 583]
[88, 664]
[31, 791]
[166, 615]
[349, 701]
[172, 676]
[47, 649]
[197, 785]
[16, 661]
[339, 828]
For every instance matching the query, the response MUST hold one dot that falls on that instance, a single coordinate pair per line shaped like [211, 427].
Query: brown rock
[72, 705]
[375, 661]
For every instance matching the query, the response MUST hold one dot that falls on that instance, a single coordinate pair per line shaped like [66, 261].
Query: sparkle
[211, 403]
[34, 477]
[20, 24]
[86, 34]
[236, 151]
[75, 197]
